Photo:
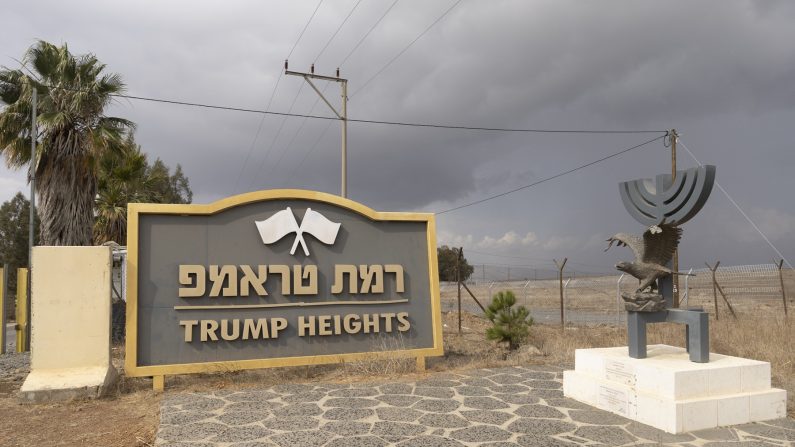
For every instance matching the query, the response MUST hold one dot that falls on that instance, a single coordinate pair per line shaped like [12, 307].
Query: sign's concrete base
[668, 391]
[67, 384]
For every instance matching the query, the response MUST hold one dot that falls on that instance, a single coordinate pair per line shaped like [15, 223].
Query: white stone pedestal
[668, 391]
[70, 311]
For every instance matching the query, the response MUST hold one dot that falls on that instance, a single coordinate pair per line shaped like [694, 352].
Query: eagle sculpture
[652, 252]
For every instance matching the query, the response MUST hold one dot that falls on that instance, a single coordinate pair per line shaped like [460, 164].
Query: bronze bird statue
[652, 252]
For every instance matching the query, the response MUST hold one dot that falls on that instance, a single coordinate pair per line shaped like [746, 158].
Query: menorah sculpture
[662, 205]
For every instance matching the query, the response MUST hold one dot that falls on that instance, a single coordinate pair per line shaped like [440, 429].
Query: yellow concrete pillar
[2, 312]
[158, 383]
[22, 308]
[420, 363]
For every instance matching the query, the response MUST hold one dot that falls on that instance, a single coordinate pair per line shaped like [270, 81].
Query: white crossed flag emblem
[283, 223]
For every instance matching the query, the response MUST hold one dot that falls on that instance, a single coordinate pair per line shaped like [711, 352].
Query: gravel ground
[13, 367]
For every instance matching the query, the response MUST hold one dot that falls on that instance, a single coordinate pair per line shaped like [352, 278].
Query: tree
[125, 177]
[14, 232]
[508, 324]
[170, 188]
[73, 134]
[447, 261]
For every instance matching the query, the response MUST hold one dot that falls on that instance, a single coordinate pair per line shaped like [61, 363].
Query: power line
[337, 31]
[256, 135]
[391, 123]
[740, 210]
[311, 149]
[276, 136]
[438, 19]
[295, 135]
[270, 100]
[561, 174]
[355, 47]
[305, 27]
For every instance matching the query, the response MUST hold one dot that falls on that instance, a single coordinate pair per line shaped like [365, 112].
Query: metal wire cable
[750, 221]
[363, 121]
[355, 47]
[276, 135]
[337, 31]
[305, 27]
[270, 100]
[400, 53]
[392, 123]
[561, 174]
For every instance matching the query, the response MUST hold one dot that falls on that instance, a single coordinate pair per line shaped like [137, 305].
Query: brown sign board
[277, 278]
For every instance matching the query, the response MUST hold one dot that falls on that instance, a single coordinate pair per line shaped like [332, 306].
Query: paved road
[516, 406]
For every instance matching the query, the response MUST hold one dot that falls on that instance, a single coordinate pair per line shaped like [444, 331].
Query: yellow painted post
[2, 311]
[22, 308]
[158, 383]
[420, 363]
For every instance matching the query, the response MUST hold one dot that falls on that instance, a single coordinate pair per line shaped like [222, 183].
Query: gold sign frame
[135, 210]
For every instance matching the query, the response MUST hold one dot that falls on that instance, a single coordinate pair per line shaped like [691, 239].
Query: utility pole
[675, 260]
[342, 114]
[31, 225]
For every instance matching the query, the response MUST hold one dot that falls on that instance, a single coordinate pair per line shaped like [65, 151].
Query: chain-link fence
[751, 290]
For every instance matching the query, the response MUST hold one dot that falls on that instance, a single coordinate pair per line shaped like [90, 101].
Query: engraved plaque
[620, 372]
[613, 399]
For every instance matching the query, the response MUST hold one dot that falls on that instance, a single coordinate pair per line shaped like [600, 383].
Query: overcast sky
[721, 72]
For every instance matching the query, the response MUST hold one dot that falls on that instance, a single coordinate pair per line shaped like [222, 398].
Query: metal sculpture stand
[696, 329]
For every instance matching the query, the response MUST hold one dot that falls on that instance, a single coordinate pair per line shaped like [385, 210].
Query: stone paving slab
[502, 407]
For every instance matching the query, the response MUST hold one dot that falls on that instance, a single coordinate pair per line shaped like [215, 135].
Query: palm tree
[73, 134]
[124, 177]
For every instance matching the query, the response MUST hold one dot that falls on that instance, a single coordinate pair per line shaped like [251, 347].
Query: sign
[277, 278]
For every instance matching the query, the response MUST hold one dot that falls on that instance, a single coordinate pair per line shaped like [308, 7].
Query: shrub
[511, 325]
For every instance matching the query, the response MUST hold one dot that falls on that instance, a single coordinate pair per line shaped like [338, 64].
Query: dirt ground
[130, 416]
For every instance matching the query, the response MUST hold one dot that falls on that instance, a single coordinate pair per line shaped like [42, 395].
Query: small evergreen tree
[510, 324]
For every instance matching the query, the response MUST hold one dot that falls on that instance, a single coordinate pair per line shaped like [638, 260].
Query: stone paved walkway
[517, 406]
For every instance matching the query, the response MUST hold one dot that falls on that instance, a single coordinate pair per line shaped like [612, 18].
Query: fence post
[781, 280]
[560, 283]
[618, 299]
[687, 289]
[22, 309]
[458, 282]
[524, 292]
[714, 287]
[566, 286]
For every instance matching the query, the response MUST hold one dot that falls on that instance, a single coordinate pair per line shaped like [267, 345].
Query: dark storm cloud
[719, 71]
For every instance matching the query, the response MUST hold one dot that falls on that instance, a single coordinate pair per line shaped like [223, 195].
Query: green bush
[510, 324]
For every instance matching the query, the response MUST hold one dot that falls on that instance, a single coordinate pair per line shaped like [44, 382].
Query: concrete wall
[71, 307]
